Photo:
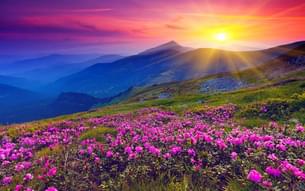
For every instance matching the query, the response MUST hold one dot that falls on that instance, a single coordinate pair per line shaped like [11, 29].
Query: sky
[129, 26]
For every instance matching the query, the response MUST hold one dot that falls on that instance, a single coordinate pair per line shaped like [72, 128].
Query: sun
[222, 36]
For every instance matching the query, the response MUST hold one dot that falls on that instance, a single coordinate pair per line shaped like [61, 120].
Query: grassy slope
[185, 96]
[181, 103]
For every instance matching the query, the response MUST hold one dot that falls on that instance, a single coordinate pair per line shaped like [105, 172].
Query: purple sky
[128, 26]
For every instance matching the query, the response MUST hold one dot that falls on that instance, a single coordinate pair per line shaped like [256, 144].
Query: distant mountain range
[19, 105]
[49, 68]
[165, 63]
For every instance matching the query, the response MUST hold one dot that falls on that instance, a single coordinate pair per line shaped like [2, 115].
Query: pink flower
[139, 149]
[51, 189]
[167, 156]
[89, 150]
[191, 152]
[299, 128]
[18, 187]
[272, 157]
[97, 159]
[28, 177]
[175, 150]
[22, 165]
[6, 162]
[281, 147]
[7, 180]
[221, 144]
[109, 154]
[234, 155]
[128, 150]
[153, 150]
[267, 184]
[52, 171]
[273, 171]
[254, 176]
[300, 162]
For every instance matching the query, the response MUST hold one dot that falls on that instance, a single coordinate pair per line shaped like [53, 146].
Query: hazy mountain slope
[171, 45]
[43, 62]
[10, 95]
[71, 102]
[35, 107]
[108, 79]
[49, 68]
[165, 63]
[102, 59]
[18, 82]
[204, 62]
[288, 66]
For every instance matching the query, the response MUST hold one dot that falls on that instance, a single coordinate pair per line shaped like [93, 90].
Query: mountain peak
[171, 45]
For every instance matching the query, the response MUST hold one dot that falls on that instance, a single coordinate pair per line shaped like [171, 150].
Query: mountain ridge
[156, 67]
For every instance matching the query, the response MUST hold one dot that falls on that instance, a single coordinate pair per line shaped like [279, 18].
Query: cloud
[175, 27]
[72, 28]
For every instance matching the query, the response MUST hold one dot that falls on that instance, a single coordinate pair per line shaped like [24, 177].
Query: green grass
[97, 133]
[252, 122]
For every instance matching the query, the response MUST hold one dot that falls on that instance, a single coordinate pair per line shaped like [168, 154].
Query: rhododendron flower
[299, 128]
[6, 162]
[128, 150]
[234, 155]
[221, 144]
[191, 152]
[139, 149]
[254, 176]
[282, 147]
[97, 159]
[18, 187]
[272, 157]
[51, 189]
[7, 180]
[301, 162]
[28, 177]
[273, 171]
[175, 150]
[109, 154]
[267, 184]
[167, 156]
[153, 150]
[263, 109]
[22, 165]
[52, 171]
[89, 150]
[81, 151]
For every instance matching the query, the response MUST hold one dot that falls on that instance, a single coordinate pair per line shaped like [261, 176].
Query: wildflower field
[202, 147]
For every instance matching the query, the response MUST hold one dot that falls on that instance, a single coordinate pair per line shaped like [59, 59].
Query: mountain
[19, 82]
[10, 95]
[165, 63]
[102, 59]
[70, 102]
[108, 79]
[18, 105]
[43, 62]
[49, 68]
[171, 45]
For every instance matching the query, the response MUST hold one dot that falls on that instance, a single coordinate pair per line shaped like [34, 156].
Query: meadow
[249, 139]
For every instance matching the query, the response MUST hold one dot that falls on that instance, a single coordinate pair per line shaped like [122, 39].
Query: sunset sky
[128, 26]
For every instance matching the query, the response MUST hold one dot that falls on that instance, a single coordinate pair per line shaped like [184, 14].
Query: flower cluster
[17, 155]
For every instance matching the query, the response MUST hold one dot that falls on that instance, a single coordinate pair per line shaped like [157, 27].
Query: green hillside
[62, 148]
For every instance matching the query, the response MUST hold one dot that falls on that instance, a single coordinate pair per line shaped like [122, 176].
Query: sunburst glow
[221, 36]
